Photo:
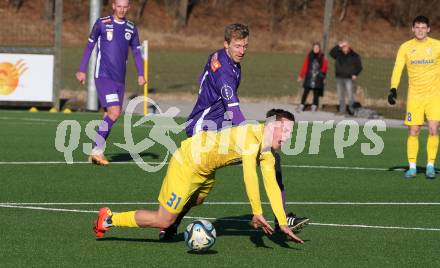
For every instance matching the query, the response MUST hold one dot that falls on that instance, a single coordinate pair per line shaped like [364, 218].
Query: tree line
[396, 12]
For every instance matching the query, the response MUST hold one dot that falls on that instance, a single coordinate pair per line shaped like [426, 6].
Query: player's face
[282, 132]
[420, 30]
[237, 48]
[120, 8]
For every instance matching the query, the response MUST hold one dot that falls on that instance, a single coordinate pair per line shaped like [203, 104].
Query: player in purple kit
[218, 101]
[218, 106]
[113, 35]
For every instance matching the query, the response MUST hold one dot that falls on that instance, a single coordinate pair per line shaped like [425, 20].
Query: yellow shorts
[180, 183]
[417, 109]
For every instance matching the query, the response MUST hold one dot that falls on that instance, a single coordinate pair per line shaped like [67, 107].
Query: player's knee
[414, 131]
[114, 114]
[433, 132]
[165, 223]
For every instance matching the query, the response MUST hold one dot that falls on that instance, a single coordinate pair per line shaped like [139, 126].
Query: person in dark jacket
[347, 67]
[313, 72]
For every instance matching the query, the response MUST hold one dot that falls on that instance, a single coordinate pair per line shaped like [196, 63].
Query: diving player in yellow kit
[421, 55]
[191, 173]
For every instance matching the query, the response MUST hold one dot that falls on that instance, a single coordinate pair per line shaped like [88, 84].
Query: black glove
[392, 96]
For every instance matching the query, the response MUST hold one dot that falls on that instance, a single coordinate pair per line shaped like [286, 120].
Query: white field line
[223, 203]
[240, 220]
[41, 121]
[153, 163]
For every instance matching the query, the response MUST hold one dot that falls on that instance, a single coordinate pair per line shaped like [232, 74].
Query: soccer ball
[200, 235]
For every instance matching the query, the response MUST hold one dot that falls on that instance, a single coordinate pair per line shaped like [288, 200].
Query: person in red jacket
[313, 72]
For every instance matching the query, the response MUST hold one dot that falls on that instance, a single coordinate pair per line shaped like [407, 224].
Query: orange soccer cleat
[103, 223]
[98, 159]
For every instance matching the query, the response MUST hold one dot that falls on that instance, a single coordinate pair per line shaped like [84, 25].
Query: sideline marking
[223, 203]
[152, 163]
[241, 220]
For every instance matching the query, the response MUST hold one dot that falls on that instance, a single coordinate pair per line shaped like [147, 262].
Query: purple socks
[103, 132]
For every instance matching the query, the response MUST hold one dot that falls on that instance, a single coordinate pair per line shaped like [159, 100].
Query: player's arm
[228, 91]
[137, 56]
[397, 73]
[93, 38]
[267, 166]
[250, 178]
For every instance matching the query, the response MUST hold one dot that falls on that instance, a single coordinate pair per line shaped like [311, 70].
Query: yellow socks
[412, 147]
[431, 148]
[124, 219]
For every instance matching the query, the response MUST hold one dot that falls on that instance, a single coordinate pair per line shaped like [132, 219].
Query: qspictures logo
[10, 76]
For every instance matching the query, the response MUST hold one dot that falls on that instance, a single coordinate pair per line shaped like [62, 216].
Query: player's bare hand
[141, 80]
[289, 233]
[258, 221]
[81, 77]
[354, 77]
[299, 79]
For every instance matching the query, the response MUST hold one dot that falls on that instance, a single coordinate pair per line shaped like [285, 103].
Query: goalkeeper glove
[392, 96]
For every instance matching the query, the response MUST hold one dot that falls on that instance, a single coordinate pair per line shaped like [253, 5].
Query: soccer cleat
[430, 172]
[168, 233]
[103, 223]
[411, 173]
[295, 223]
[98, 160]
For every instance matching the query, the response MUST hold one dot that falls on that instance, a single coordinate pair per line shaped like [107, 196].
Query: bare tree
[182, 14]
[141, 9]
[48, 9]
[344, 6]
[15, 4]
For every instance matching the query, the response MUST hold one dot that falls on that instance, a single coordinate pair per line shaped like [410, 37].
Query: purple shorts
[110, 93]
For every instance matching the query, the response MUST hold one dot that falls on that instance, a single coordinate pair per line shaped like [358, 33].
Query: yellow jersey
[422, 60]
[208, 151]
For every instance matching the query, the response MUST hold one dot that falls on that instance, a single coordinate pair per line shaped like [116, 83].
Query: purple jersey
[217, 101]
[113, 38]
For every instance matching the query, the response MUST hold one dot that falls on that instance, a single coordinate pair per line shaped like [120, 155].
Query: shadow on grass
[227, 226]
[240, 226]
[177, 238]
[124, 157]
[405, 168]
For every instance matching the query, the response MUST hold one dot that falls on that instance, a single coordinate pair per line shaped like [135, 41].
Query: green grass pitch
[363, 213]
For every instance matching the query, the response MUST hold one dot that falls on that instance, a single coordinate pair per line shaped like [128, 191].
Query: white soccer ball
[200, 235]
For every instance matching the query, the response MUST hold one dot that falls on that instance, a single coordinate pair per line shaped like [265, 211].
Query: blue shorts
[110, 93]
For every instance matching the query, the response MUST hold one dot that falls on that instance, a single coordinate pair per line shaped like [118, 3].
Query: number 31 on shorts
[172, 201]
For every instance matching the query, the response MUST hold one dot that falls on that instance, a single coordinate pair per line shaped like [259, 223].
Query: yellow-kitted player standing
[421, 56]
[191, 173]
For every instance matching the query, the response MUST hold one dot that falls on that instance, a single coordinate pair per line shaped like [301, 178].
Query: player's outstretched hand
[259, 221]
[81, 77]
[141, 80]
[392, 96]
[290, 234]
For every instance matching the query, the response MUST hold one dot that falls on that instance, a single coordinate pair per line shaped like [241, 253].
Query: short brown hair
[236, 31]
[279, 114]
